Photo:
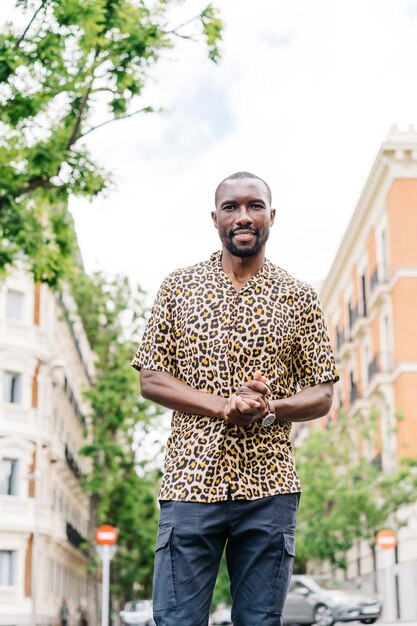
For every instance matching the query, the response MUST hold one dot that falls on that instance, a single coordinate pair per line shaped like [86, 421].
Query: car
[222, 616]
[137, 613]
[323, 601]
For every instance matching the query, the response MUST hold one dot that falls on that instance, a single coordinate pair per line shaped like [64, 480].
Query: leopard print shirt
[213, 338]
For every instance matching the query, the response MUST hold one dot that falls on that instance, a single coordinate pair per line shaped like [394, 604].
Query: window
[8, 477]
[363, 290]
[12, 387]
[7, 567]
[15, 300]
[384, 256]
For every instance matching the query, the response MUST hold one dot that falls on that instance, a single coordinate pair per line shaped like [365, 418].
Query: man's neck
[241, 269]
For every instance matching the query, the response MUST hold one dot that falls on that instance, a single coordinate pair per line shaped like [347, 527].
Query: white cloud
[304, 96]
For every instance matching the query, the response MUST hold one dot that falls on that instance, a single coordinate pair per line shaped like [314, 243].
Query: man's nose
[244, 216]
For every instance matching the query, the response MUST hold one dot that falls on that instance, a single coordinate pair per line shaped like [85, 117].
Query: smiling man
[238, 349]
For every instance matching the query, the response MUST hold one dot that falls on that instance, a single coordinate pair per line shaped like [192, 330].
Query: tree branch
[75, 135]
[109, 89]
[76, 130]
[115, 119]
[177, 28]
[189, 37]
[37, 182]
[33, 18]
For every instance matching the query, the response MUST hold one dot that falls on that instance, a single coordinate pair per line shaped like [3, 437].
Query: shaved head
[241, 175]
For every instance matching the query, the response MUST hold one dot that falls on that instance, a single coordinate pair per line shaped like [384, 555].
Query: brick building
[370, 301]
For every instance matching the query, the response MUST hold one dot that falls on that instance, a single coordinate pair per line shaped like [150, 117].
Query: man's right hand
[249, 403]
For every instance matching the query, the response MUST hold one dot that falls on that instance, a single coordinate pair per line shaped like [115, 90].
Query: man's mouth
[243, 235]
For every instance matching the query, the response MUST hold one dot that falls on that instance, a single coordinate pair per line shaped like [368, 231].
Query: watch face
[268, 419]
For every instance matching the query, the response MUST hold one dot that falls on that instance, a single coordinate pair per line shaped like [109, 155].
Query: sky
[304, 95]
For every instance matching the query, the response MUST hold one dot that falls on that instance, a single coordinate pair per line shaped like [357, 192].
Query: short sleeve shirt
[213, 338]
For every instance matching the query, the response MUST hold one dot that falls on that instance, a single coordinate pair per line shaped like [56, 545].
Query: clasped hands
[249, 403]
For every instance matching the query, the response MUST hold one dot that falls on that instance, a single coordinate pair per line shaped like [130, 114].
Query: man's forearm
[165, 389]
[310, 403]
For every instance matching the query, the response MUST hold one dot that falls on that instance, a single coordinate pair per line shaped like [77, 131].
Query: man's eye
[228, 207]
[257, 206]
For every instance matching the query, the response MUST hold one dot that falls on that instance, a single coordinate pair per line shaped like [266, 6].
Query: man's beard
[244, 251]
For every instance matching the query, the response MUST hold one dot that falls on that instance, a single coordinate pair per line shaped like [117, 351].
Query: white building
[45, 364]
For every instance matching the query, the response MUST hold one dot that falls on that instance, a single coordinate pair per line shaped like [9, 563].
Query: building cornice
[399, 148]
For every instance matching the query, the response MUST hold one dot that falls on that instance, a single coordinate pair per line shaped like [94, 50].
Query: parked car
[137, 613]
[221, 616]
[324, 601]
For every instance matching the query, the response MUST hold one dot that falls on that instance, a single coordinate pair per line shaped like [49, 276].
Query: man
[64, 613]
[239, 350]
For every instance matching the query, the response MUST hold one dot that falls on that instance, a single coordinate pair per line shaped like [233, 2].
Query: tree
[72, 56]
[322, 532]
[111, 312]
[221, 594]
[347, 498]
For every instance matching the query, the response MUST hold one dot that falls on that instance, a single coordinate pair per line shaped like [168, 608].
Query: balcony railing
[353, 316]
[73, 401]
[9, 594]
[354, 393]
[380, 364]
[73, 536]
[340, 338]
[16, 506]
[74, 335]
[72, 464]
[357, 312]
[378, 277]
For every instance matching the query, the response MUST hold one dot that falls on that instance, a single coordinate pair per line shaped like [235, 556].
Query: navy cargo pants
[259, 540]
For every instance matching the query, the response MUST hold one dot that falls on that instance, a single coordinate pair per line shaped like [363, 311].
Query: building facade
[45, 364]
[370, 302]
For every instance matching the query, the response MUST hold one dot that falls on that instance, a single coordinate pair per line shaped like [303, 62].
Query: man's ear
[214, 218]
[272, 217]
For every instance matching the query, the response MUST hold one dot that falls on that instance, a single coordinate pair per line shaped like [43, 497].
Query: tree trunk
[373, 551]
[92, 577]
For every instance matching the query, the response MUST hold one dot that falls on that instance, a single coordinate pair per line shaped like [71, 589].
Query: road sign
[386, 539]
[106, 551]
[106, 535]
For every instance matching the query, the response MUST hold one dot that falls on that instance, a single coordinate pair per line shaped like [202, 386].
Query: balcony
[353, 316]
[21, 336]
[73, 401]
[72, 464]
[354, 393]
[74, 537]
[9, 594]
[14, 507]
[378, 283]
[343, 344]
[380, 366]
[358, 318]
[340, 339]
[378, 277]
[74, 335]
[18, 419]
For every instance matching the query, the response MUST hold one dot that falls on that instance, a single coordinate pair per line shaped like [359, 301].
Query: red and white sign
[386, 539]
[106, 535]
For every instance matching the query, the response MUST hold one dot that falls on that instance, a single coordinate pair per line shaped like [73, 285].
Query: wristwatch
[269, 417]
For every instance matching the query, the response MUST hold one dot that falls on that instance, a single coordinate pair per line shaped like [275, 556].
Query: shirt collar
[215, 265]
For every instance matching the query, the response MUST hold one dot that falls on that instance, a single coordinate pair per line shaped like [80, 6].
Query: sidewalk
[399, 623]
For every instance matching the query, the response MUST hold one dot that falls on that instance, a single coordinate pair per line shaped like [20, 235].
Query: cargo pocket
[282, 575]
[164, 596]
